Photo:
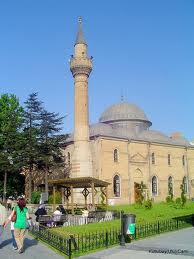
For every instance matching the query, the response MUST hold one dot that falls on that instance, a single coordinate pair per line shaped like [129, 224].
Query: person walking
[12, 231]
[9, 204]
[3, 216]
[21, 214]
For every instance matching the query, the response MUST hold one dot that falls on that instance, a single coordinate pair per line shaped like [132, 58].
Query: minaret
[81, 67]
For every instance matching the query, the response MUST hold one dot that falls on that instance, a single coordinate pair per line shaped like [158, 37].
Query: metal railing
[163, 226]
[75, 245]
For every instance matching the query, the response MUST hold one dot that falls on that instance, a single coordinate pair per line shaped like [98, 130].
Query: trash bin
[192, 220]
[129, 224]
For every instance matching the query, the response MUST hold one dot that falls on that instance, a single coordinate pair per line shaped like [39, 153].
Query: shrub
[35, 198]
[170, 191]
[140, 193]
[183, 200]
[178, 200]
[148, 204]
[101, 208]
[138, 205]
[58, 198]
[178, 203]
[183, 197]
[169, 199]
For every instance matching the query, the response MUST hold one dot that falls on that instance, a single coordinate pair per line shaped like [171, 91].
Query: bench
[48, 220]
[96, 216]
[60, 219]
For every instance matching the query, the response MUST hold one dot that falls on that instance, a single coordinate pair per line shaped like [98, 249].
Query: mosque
[121, 148]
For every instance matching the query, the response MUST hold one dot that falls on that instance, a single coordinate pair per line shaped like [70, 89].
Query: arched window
[170, 185]
[183, 160]
[169, 160]
[116, 186]
[153, 158]
[154, 186]
[185, 186]
[68, 158]
[116, 155]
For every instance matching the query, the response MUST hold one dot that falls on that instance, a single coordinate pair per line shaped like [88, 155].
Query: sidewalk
[33, 249]
[178, 244]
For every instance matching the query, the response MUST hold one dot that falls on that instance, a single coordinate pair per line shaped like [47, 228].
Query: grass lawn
[159, 211]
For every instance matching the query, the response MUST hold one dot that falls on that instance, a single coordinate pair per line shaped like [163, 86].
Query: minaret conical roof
[80, 35]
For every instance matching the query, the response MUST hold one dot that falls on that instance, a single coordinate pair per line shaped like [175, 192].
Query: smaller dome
[123, 112]
[101, 129]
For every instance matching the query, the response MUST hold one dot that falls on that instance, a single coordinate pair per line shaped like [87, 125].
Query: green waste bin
[129, 224]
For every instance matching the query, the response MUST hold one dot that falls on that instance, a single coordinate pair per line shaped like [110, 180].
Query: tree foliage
[32, 121]
[11, 121]
[30, 138]
[50, 141]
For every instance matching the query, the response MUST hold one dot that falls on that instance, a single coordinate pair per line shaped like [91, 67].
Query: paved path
[173, 245]
[34, 249]
[179, 245]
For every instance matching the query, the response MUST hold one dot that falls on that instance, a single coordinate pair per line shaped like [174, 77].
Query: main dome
[123, 112]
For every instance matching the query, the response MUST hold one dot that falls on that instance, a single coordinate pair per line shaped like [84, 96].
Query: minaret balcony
[80, 65]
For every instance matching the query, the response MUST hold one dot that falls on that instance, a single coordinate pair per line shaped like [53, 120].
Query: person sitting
[62, 210]
[40, 211]
[85, 213]
[57, 216]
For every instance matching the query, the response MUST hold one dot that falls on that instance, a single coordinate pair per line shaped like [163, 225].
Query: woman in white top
[57, 215]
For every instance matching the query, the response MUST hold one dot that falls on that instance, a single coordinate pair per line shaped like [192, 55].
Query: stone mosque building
[121, 148]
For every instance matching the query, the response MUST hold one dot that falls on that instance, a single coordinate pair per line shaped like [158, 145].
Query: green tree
[33, 109]
[169, 198]
[11, 121]
[50, 142]
[183, 197]
[140, 192]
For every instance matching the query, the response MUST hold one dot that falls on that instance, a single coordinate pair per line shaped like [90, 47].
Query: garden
[162, 217]
[159, 211]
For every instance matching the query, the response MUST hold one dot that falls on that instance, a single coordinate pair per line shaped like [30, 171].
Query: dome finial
[80, 35]
[79, 19]
[122, 96]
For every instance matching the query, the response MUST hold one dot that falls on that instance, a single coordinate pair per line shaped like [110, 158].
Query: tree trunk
[46, 181]
[30, 185]
[5, 186]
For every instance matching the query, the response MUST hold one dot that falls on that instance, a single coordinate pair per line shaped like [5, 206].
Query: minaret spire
[81, 67]
[80, 34]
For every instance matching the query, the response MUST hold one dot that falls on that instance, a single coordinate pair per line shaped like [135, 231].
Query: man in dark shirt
[40, 211]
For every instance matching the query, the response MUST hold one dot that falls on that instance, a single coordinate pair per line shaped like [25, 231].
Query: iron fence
[162, 226]
[75, 245]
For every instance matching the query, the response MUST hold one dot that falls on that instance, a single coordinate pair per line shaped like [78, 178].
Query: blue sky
[142, 50]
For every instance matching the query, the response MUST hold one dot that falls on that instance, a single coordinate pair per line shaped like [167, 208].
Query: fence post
[158, 226]
[177, 223]
[122, 238]
[106, 239]
[70, 251]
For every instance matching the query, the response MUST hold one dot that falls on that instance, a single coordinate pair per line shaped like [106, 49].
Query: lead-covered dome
[101, 129]
[123, 112]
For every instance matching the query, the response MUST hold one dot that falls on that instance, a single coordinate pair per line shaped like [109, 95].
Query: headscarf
[41, 206]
